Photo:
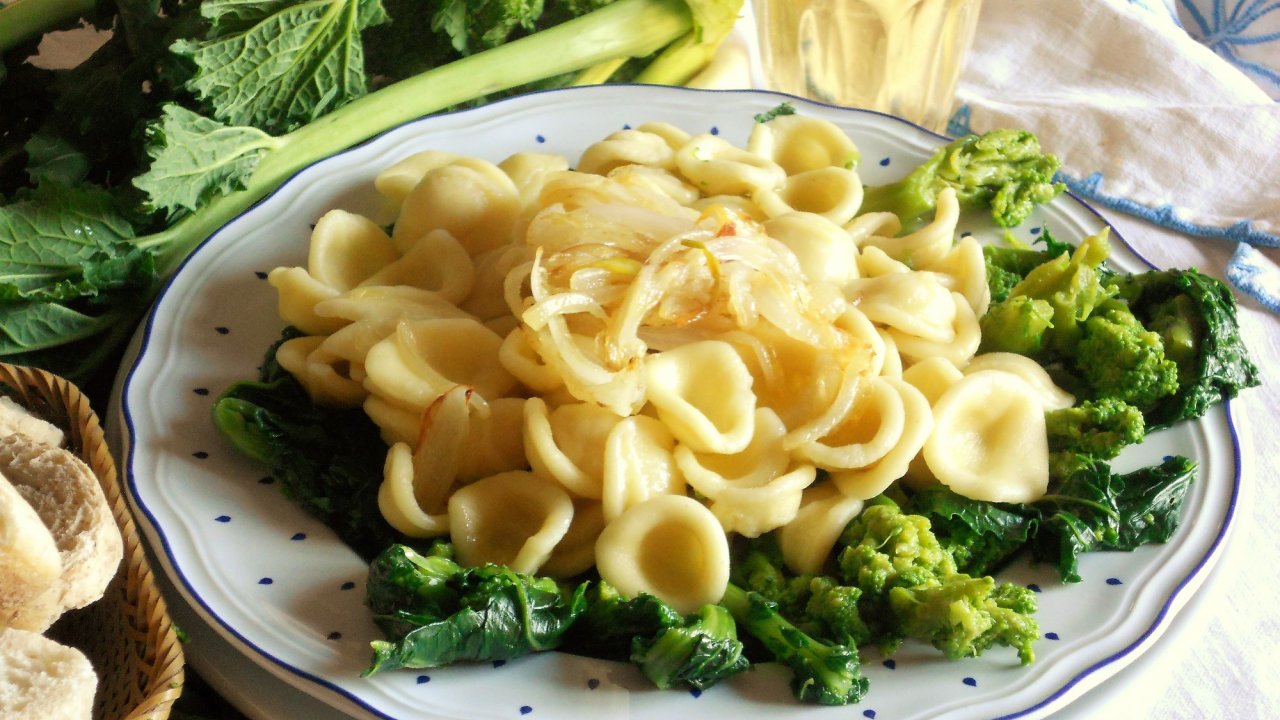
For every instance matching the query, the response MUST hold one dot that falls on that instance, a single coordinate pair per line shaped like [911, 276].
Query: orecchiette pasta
[623, 364]
[670, 546]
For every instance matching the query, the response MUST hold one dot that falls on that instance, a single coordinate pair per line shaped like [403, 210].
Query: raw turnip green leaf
[195, 159]
[278, 64]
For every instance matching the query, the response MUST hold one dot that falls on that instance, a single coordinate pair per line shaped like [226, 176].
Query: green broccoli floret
[1098, 428]
[825, 673]
[1018, 325]
[1073, 286]
[436, 612]
[1008, 264]
[1004, 170]
[911, 588]
[962, 616]
[1119, 358]
[700, 651]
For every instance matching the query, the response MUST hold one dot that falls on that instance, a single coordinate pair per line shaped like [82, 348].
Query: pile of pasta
[621, 364]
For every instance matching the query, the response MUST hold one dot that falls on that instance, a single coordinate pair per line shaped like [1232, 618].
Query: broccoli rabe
[1119, 358]
[1018, 325]
[912, 588]
[981, 536]
[436, 612]
[1004, 170]
[825, 673]
[1009, 263]
[1195, 317]
[817, 604]
[699, 651]
[962, 616]
[670, 649]
[1099, 428]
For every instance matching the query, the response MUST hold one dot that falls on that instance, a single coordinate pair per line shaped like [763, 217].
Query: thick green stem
[25, 20]
[579, 43]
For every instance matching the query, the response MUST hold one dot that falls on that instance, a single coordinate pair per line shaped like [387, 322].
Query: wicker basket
[127, 635]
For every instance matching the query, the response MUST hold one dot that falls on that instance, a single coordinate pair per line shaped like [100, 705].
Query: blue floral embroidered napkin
[1147, 119]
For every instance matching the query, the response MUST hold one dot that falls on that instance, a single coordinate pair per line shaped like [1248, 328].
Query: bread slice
[29, 560]
[43, 680]
[66, 495]
[15, 418]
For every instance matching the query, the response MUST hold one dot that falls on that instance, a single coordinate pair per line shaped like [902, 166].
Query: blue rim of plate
[1159, 624]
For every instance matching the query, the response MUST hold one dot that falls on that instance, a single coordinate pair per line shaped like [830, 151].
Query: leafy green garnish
[781, 109]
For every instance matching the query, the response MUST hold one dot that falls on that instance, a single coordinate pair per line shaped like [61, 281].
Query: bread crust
[66, 495]
[41, 679]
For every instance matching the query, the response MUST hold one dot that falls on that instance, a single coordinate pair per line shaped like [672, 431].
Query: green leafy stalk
[570, 46]
[25, 20]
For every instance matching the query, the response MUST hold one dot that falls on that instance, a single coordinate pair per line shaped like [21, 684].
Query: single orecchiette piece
[763, 459]
[702, 391]
[716, 167]
[807, 540]
[930, 243]
[346, 249]
[424, 358]
[988, 441]
[832, 192]
[753, 511]
[397, 181]
[626, 147]
[514, 518]
[319, 372]
[801, 143]
[825, 251]
[865, 483]
[472, 199]
[298, 294]
[670, 546]
[638, 464]
[436, 262]
[1029, 371]
[567, 444]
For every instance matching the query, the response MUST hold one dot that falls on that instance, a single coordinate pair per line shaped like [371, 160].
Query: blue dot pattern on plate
[499, 663]
[891, 664]
[1035, 231]
[200, 455]
[298, 536]
[200, 391]
[424, 679]
[223, 518]
[223, 330]
[715, 130]
[348, 585]
[884, 162]
[695, 692]
[869, 714]
[593, 683]
[1114, 581]
[525, 709]
[260, 274]
[335, 635]
[265, 581]
[971, 682]
[540, 139]
[1034, 587]
[1051, 636]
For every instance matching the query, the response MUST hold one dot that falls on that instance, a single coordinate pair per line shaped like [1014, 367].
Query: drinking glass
[901, 57]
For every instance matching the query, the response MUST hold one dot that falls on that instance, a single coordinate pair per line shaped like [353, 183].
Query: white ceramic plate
[284, 591]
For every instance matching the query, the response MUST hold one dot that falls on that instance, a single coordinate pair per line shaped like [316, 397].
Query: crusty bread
[15, 418]
[29, 560]
[66, 495]
[43, 680]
